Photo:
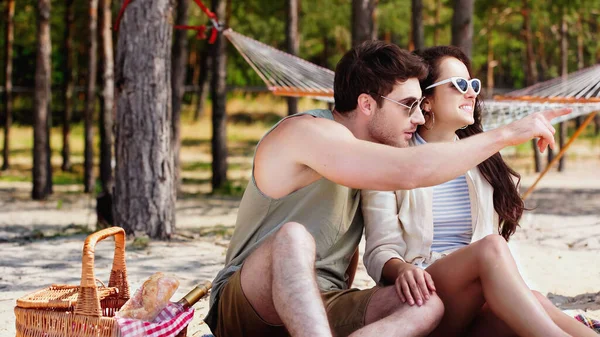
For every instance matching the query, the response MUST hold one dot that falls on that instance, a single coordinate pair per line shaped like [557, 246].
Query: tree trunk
[292, 41]
[564, 46]
[363, 23]
[179, 67]
[462, 25]
[580, 46]
[90, 100]
[41, 172]
[530, 64]
[144, 201]
[8, 53]
[491, 63]
[418, 37]
[438, 14]
[542, 55]
[194, 64]
[580, 58]
[325, 55]
[68, 85]
[203, 83]
[218, 93]
[537, 158]
[108, 98]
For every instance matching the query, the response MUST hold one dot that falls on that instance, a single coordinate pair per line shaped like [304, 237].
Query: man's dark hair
[373, 67]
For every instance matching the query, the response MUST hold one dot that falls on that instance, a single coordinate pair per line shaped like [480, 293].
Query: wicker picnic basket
[79, 311]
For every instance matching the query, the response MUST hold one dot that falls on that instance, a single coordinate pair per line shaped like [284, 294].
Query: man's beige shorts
[346, 311]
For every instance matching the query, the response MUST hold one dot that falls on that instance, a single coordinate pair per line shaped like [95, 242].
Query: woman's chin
[468, 121]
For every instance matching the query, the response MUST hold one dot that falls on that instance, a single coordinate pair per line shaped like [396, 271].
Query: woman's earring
[464, 127]
[429, 113]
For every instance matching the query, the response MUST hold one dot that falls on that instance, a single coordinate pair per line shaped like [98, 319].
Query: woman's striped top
[452, 223]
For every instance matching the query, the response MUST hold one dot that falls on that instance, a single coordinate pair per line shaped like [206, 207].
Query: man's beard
[380, 134]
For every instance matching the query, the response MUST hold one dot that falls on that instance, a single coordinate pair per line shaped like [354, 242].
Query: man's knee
[424, 319]
[293, 234]
[433, 313]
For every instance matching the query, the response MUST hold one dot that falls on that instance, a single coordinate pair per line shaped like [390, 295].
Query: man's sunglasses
[461, 84]
[412, 108]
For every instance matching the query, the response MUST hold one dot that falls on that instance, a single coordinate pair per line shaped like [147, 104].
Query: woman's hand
[414, 285]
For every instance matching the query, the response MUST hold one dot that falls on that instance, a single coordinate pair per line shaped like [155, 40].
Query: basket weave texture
[85, 310]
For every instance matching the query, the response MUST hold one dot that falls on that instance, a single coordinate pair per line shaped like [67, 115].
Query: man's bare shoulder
[280, 163]
[305, 126]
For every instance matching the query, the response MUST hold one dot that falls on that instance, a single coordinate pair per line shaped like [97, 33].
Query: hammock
[579, 91]
[498, 113]
[288, 75]
[283, 73]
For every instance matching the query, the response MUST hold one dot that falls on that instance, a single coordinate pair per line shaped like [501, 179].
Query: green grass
[242, 135]
[205, 166]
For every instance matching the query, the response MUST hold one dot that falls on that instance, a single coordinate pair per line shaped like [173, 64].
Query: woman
[440, 239]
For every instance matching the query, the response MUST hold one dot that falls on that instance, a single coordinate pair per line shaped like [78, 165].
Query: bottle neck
[194, 295]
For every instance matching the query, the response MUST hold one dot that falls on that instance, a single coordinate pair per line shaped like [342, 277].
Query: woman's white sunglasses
[461, 84]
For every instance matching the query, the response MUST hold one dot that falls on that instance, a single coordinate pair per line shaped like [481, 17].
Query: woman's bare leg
[487, 324]
[486, 272]
[567, 323]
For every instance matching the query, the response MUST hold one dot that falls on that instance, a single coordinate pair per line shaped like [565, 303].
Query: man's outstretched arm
[332, 151]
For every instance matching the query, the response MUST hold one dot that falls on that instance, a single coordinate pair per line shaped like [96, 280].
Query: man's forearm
[436, 163]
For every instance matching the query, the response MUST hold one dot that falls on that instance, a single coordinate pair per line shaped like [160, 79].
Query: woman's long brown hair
[507, 201]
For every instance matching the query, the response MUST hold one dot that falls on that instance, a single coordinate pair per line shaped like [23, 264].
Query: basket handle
[88, 302]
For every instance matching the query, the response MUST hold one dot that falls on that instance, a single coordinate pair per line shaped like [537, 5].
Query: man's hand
[414, 285]
[536, 125]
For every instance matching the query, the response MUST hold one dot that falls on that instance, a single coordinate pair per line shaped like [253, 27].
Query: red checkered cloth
[169, 322]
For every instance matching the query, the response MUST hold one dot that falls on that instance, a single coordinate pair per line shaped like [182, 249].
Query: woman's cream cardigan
[400, 224]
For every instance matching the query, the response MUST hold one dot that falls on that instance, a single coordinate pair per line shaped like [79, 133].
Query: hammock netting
[288, 75]
[283, 73]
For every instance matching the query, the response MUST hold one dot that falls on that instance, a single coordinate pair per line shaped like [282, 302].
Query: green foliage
[325, 34]
[232, 188]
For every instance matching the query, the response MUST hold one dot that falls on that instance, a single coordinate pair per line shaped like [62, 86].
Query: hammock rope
[283, 73]
[288, 75]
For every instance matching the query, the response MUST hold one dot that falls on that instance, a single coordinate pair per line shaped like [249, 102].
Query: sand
[557, 246]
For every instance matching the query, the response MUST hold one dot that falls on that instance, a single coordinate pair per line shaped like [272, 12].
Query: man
[298, 224]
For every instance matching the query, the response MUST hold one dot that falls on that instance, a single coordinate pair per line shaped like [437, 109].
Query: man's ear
[366, 104]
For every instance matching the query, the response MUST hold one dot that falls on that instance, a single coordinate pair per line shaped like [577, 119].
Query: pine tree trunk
[144, 202]
[41, 133]
[203, 83]
[537, 157]
[108, 98]
[531, 64]
[218, 93]
[292, 41]
[194, 64]
[90, 99]
[363, 23]
[542, 55]
[179, 67]
[564, 46]
[8, 105]
[462, 25]
[438, 30]
[491, 63]
[580, 59]
[68, 85]
[418, 36]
